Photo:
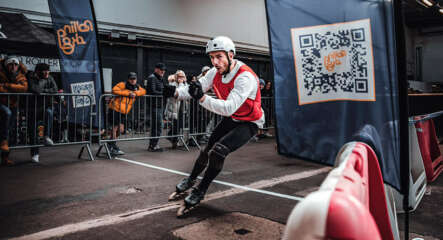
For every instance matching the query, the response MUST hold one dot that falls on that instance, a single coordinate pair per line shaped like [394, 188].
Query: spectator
[205, 69]
[155, 87]
[171, 79]
[262, 85]
[121, 105]
[261, 131]
[174, 109]
[267, 92]
[12, 80]
[41, 107]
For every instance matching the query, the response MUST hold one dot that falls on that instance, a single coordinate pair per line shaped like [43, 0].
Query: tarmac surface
[63, 197]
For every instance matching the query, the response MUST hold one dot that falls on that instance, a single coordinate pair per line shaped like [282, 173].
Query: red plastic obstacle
[361, 179]
[350, 204]
[430, 151]
[348, 214]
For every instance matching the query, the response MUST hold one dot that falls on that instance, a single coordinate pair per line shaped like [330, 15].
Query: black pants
[156, 125]
[228, 135]
[232, 134]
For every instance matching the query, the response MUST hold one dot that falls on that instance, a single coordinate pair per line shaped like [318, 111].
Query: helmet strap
[229, 66]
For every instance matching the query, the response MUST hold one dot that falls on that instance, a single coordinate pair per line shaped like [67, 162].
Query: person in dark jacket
[40, 108]
[155, 87]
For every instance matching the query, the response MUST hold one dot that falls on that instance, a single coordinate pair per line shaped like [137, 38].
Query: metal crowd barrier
[192, 124]
[139, 121]
[201, 122]
[63, 117]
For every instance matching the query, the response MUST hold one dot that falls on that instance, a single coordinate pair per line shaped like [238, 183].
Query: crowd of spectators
[15, 78]
[36, 109]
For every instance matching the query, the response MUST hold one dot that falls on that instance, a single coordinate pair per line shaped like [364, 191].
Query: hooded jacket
[123, 103]
[12, 84]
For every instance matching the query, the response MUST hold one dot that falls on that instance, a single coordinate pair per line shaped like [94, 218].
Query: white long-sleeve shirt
[245, 86]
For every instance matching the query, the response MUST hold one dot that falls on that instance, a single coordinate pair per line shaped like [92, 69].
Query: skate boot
[191, 201]
[181, 188]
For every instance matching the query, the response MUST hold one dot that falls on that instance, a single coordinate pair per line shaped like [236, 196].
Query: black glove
[195, 90]
[168, 91]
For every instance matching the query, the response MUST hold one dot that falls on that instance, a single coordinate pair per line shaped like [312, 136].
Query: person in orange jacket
[121, 105]
[12, 80]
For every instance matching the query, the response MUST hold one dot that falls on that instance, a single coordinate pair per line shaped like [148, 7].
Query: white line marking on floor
[140, 213]
[260, 184]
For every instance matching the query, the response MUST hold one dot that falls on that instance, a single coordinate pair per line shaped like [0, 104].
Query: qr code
[334, 62]
[83, 88]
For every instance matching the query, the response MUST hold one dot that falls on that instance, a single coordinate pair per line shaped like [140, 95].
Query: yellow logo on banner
[68, 37]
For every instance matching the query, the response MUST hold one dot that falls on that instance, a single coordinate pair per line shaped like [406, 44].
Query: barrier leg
[81, 152]
[108, 152]
[91, 156]
[99, 150]
[184, 143]
[88, 148]
[195, 142]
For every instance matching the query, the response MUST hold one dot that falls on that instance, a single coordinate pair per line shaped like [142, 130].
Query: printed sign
[83, 88]
[334, 62]
[74, 25]
[31, 62]
[335, 79]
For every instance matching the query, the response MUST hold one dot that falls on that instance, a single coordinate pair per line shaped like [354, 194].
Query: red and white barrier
[430, 151]
[350, 204]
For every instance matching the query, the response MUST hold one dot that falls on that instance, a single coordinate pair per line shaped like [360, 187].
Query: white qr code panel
[334, 62]
[83, 88]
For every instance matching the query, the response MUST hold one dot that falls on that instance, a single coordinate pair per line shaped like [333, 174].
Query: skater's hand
[132, 95]
[196, 90]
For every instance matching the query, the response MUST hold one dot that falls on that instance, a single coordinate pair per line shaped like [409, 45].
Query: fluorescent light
[428, 3]
[115, 34]
[132, 36]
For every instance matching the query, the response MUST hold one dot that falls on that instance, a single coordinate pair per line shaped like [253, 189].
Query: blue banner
[335, 79]
[74, 25]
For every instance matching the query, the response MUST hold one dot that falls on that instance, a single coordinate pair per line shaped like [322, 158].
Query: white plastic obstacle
[417, 174]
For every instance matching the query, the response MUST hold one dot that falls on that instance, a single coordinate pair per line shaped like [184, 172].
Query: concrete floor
[63, 197]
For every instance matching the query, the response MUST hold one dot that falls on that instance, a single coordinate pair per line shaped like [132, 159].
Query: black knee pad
[217, 156]
[202, 159]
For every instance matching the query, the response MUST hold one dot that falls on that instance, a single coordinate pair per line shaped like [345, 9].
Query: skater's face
[219, 60]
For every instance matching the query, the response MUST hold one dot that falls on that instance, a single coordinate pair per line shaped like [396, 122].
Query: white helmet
[220, 43]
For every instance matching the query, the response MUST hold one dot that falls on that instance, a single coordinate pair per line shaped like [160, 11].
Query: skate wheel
[181, 211]
[177, 196]
[172, 197]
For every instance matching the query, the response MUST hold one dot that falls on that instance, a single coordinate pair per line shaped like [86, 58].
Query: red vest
[250, 110]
